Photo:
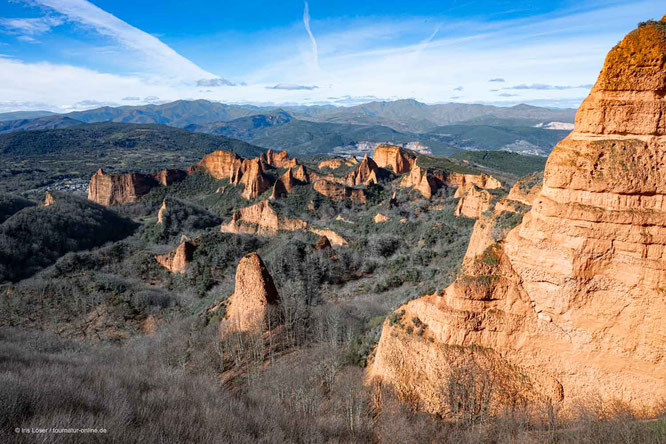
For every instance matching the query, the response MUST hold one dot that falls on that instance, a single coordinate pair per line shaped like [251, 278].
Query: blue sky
[63, 55]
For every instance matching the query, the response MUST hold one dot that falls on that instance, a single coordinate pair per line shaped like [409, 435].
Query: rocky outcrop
[467, 181]
[365, 173]
[161, 213]
[49, 199]
[333, 237]
[338, 192]
[283, 185]
[177, 260]
[253, 179]
[254, 296]
[473, 203]
[261, 218]
[111, 189]
[421, 180]
[337, 162]
[394, 157]
[301, 174]
[221, 164]
[169, 176]
[278, 160]
[379, 218]
[571, 301]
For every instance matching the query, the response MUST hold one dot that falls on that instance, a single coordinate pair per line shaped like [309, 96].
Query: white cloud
[29, 26]
[158, 57]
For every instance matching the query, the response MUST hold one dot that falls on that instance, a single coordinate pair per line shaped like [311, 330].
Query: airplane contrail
[306, 22]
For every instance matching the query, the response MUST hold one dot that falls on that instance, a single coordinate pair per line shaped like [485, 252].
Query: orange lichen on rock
[573, 298]
[111, 189]
[177, 261]
[394, 157]
[255, 294]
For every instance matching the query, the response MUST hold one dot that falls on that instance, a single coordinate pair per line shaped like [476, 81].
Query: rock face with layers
[278, 160]
[253, 297]
[177, 260]
[473, 203]
[253, 179]
[221, 164]
[111, 189]
[365, 173]
[394, 157]
[421, 180]
[338, 192]
[467, 181]
[572, 299]
[261, 218]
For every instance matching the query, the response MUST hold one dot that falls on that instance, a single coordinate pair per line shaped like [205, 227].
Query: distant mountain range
[444, 128]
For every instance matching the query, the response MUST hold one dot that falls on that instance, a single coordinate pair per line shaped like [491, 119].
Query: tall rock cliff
[253, 297]
[278, 160]
[177, 260]
[570, 306]
[394, 158]
[365, 173]
[111, 189]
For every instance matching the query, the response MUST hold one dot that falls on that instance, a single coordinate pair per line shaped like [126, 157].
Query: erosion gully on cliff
[570, 306]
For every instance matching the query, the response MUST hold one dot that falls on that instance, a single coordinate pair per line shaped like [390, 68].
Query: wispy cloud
[291, 87]
[157, 55]
[498, 79]
[459, 88]
[313, 41]
[131, 99]
[545, 87]
[29, 27]
[215, 82]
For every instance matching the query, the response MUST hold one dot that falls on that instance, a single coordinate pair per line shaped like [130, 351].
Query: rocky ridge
[569, 306]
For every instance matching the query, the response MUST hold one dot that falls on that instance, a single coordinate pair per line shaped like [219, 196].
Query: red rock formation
[177, 261]
[253, 297]
[111, 189]
[169, 176]
[302, 174]
[466, 181]
[338, 192]
[162, 212]
[420, 180]
[365, 173]
[221, 164]
[253, 179]
[394, 157]
[283, 185]
[379, 218]
[262, 218]
[572, 300]
[278, 160]
[473, 203]
[48, 199]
